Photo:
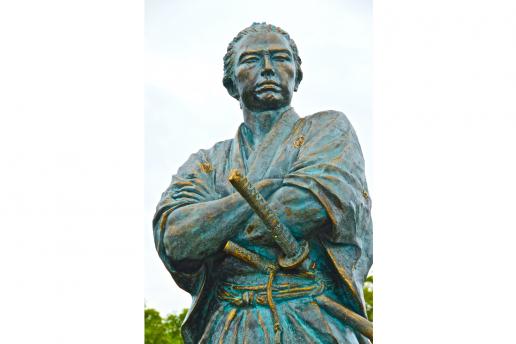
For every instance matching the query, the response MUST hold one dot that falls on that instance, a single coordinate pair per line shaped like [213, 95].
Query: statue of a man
[310, 170]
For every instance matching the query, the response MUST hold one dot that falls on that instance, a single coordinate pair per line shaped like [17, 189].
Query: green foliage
[160, 330]
[368, 296]
[167, 330]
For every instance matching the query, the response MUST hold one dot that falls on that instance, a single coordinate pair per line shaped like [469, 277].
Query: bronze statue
[270, 232]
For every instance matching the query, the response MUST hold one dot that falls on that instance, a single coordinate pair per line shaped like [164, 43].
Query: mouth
[268, 86]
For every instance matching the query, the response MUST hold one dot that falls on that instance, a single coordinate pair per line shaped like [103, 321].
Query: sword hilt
[294, 252]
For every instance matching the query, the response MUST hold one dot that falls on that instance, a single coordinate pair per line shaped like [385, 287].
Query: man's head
[262, 67]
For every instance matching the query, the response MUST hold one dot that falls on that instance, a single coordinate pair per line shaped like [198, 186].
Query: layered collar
[255, 163]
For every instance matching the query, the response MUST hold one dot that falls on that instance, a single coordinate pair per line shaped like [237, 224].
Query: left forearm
[298, 210]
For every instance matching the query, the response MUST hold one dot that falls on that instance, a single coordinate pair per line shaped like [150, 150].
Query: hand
[195, 189]
[256, 232]
[268, 186]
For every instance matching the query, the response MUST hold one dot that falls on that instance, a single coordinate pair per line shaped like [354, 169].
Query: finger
[201, 184]
[184, 194]
[192, 190]
[181, 184]
[185, 201]
[194, 182]
[269, 184]
[178, 185]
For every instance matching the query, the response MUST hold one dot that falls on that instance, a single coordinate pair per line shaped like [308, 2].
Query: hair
[229, 58]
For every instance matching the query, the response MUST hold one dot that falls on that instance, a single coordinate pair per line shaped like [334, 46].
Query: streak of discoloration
[299, 141]
[250, 228]
[164, 218]
[229, 319]
[247, 317]
[206, 167]
[264, 329]
[317, 309]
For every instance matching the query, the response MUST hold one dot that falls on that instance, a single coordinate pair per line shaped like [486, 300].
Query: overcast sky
[187, 108]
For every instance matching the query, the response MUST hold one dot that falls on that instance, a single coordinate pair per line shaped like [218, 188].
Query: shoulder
[206, 156]
[329, 120]
[217, 149]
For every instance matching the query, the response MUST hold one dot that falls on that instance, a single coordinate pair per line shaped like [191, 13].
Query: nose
[267, 69]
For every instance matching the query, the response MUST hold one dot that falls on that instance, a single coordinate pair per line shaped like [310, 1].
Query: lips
[268, 86]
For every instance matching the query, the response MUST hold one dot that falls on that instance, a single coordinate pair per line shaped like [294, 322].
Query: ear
[296, 86]
[299, 77]
[230, 87]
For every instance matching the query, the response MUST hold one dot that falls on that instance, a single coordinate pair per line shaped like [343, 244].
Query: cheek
[289, 71]
[244, 74]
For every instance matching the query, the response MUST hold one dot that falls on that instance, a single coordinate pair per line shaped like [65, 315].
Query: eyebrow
[256, 52]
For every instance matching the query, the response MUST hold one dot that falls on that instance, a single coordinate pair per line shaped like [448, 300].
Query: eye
[249, 60]
[281, 57]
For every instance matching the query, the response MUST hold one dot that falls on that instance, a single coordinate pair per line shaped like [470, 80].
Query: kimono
[321, 155]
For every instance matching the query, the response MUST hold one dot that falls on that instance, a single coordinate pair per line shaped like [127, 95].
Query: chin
[265, 106]
[269, 101]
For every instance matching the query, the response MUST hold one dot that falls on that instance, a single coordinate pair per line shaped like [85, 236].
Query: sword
[294, 252]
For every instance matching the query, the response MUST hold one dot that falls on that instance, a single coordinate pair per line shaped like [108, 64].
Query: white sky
[187, 108]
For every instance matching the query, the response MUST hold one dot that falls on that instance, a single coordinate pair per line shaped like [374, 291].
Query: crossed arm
[197, 231]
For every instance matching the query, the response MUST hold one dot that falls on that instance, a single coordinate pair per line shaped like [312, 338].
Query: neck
[261, 122]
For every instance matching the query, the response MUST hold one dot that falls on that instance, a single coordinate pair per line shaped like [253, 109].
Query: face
[265, 71]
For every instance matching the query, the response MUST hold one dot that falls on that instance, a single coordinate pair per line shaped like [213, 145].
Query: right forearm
[198, 230]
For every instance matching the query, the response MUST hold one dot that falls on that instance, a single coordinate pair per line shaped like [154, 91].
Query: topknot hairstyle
[229, 58]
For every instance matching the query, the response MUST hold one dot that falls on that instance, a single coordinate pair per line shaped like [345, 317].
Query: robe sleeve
[196, 170]
[330, 166]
